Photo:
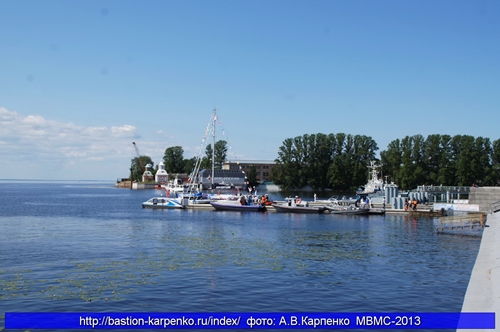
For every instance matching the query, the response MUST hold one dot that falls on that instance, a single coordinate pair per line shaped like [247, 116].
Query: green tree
[463, 153]
[432, 154]
[206, 161]
[363, 152]
[339, 167]
[286, 169]
[446, 169]
[495, 162]
[189, 165]
[442, 160]
[320, 150]
[252, 176]
[322, 161]
[482, 153]
[391, 160]
[220, 153]
[351, 156]
[138, 165]
[174, 159]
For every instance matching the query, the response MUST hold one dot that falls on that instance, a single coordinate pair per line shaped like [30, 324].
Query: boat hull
[162, 203]
[298, 209]
[346, 210]
[377, 211]
[238, 207]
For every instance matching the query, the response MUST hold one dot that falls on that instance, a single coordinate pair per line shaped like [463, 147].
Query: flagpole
[213, 148]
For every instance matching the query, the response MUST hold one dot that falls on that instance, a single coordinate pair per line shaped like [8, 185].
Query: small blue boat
[162, 203]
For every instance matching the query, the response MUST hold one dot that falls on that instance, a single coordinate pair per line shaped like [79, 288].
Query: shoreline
[483, 290]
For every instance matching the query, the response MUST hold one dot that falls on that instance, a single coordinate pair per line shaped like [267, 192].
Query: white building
[147, 176]
[161, 175]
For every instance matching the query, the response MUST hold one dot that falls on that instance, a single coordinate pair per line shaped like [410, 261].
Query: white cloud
[76, 151]
[32, 147]
[33, 135]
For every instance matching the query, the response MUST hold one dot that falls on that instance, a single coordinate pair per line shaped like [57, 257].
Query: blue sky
[81, 80]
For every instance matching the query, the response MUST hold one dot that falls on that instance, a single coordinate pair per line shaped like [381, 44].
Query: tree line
[322, 161]
[339, 161]
[175, 162]
[461, 160]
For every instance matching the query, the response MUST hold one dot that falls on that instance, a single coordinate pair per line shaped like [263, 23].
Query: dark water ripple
[91, 247]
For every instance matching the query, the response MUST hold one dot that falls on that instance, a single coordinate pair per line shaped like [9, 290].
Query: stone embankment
[484, 196]
[483, 291]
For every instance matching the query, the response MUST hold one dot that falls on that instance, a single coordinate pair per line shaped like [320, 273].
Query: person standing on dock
[383, 203]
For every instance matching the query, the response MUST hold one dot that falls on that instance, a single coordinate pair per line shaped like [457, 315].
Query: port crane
[138, 157]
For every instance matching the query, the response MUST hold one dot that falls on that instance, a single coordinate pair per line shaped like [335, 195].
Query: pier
[465, 222]
[483, 291]
[441, 193]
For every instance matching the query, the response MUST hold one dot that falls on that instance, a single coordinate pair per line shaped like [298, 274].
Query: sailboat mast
[213, 148]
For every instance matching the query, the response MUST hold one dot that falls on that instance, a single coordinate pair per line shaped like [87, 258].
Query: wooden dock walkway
[468, 221]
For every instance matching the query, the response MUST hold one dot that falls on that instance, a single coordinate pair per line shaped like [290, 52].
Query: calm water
[91, 247]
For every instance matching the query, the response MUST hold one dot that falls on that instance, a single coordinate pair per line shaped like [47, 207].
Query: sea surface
[91, 247]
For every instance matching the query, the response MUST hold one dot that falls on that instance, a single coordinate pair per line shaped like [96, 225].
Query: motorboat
[296, 205]
[243, 204]
[347, 206]
[342, 209]
[376, 211]
[174, 186]
[162, 203]
[194, 198]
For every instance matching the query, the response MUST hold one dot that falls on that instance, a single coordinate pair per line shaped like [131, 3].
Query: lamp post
[130, 177]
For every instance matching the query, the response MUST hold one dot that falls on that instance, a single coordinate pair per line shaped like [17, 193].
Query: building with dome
[161, 175]
[147, 176]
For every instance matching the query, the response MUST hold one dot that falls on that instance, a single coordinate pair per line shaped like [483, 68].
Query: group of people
[411, 204]
[264, 200]
[365, 202]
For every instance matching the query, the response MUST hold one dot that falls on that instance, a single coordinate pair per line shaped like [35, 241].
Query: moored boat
[351, 210]
[375, 185]
[295, 205]
[237, 205]
[298, 209]
[162, 203]
[376, 211]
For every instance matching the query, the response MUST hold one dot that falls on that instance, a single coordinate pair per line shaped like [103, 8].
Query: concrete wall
[483, 291]
[138, 185]
[484, 196]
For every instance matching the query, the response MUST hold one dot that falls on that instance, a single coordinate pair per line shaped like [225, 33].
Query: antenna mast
[213, 148]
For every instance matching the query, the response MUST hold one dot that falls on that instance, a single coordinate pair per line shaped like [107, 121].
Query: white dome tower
[162, 175]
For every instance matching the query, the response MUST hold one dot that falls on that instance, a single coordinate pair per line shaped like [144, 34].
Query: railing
[494, 207]
[442, 189]
[461, 222]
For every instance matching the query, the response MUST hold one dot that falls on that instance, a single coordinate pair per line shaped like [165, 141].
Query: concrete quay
[483, 291]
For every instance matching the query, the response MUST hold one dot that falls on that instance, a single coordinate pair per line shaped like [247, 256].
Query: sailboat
[208, 186]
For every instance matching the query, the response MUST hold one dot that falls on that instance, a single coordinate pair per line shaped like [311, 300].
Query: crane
[138, 156]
